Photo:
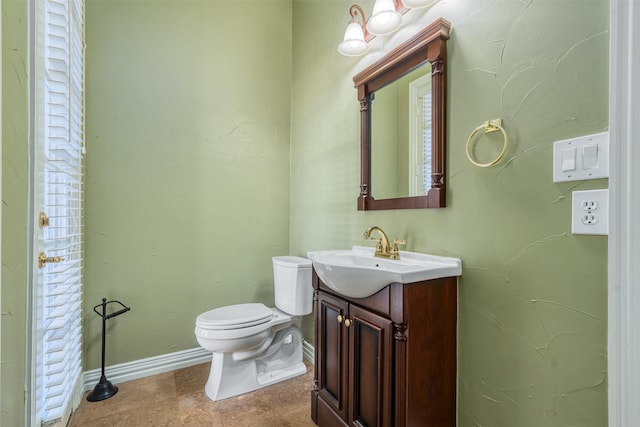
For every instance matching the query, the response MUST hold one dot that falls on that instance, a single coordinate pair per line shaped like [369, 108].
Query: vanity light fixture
[354, 43]
[386, 18]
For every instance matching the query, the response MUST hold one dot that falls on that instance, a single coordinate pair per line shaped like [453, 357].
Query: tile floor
[177, 399]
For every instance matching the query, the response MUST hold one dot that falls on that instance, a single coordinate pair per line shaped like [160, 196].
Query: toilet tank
[292, 284]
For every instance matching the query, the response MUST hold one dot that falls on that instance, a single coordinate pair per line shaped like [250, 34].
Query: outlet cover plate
[590, 212]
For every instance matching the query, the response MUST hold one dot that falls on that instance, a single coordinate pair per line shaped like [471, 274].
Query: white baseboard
[146, 367]
[308, 351]
[164, 363]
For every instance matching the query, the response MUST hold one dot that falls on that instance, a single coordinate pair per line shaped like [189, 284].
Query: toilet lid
[292, 261]
[235, 316]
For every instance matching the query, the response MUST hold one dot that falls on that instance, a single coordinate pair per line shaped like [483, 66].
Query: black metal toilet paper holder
[104, 389]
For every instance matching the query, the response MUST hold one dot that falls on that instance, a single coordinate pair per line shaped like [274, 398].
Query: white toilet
[253, 345]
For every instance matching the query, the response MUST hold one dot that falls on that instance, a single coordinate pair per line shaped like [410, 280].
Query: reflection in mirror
[402, 124]
[401, 136]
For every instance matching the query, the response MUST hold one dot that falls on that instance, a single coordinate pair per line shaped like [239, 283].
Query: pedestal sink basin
[357, 273]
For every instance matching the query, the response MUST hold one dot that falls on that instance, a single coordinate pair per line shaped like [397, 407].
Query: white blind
[62, 33]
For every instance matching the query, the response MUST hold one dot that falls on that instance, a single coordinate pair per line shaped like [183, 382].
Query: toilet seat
[236, 316]
[253, 322]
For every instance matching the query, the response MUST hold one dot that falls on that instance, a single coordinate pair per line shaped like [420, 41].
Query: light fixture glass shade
[417, 4]
[385, 18]
[353, 43]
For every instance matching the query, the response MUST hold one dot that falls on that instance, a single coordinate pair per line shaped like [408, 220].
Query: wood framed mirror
[402, 124]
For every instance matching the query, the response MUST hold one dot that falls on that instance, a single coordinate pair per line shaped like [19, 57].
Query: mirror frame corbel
[428, 45]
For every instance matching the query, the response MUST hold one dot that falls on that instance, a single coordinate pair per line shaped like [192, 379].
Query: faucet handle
[379, 248]
[395, 253]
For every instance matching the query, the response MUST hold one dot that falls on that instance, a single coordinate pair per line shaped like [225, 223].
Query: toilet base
[281, 361]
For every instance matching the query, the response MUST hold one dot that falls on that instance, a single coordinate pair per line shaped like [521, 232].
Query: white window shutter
[61, 34]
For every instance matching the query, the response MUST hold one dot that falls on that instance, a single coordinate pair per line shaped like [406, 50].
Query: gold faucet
[383, 248]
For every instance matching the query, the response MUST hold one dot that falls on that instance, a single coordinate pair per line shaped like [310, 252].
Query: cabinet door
[370, 362]
[332, 360]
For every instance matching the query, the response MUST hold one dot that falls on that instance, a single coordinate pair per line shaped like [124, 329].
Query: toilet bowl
[254, 345]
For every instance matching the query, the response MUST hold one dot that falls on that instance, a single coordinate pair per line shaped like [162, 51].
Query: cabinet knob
[340, 318]
[347, 322]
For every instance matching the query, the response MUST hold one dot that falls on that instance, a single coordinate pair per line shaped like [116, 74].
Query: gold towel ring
[489, 126]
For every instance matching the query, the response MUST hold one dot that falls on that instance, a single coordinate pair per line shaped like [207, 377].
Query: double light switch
[585, 157]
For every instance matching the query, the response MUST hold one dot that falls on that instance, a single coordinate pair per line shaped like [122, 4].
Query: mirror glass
[400, 123]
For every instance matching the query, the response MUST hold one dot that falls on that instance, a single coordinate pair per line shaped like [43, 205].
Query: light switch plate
[590, 212]
[589, 156]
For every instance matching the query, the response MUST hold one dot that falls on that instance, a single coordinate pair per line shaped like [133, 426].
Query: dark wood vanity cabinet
[354, 370]
[388, 360]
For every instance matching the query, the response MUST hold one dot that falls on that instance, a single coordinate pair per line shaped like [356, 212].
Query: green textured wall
[187, 176]
[14, 210]
[532, 297]
[188, 166]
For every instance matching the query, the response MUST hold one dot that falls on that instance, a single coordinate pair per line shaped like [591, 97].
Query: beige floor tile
[132, 395]
[178, 399]
[159, 414]
[300, 417]
[192, 379]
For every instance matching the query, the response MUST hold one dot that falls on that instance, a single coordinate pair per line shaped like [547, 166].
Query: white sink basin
[357, 273]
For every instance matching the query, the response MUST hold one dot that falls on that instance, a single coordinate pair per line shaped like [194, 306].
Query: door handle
[44, 259]
[43, 220]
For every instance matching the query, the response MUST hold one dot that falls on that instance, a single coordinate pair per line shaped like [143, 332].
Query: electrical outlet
[590, 212]
[589, 205]
[589, 219]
